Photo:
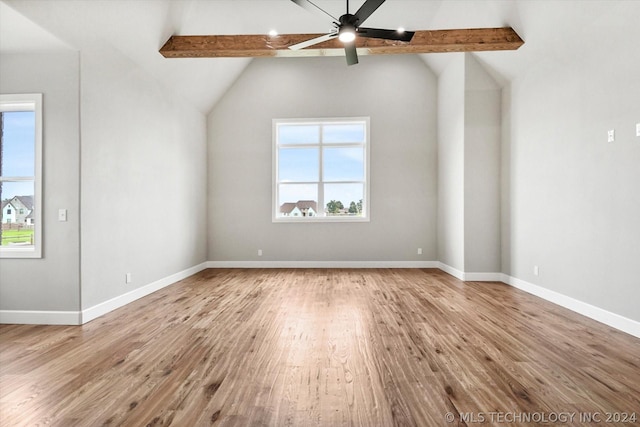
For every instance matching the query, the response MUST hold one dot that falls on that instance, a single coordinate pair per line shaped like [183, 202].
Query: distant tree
[334, 206]
[359, 205]
[353, 209]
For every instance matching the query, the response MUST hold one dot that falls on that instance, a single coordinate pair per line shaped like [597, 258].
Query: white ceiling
[552, 30]
[19, 34]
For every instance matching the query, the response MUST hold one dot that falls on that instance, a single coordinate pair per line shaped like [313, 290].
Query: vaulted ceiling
[553, 30]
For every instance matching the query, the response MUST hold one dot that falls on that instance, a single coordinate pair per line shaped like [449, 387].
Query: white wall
[397, 92]
[451, 116]
[482, 137]
[128, 162]
[575, 198]
[53, 282]
[469, 135]
[143, 179]
[505, 181]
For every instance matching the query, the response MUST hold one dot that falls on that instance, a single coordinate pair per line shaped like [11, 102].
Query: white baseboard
[483, 277]
[616, 321]
[34, 317]
[470, 277]
[31, 317]
[322, 264]
[124, 299]
[450, 270]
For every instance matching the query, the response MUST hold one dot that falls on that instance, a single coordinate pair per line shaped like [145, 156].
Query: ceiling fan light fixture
[347, 34]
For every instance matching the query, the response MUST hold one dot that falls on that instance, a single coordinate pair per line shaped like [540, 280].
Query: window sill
[318, 219]
[16, 253]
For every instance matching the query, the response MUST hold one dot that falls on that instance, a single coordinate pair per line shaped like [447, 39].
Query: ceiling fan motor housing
[349, 19]
[347, 28]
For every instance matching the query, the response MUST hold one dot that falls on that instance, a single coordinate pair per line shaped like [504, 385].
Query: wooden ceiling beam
[259, 45]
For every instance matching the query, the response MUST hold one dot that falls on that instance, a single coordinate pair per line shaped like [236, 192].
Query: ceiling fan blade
[378, 33]
[351, 53]
[313, 41]
[314, 8]
[367, 9]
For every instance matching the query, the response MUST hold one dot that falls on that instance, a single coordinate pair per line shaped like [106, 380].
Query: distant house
[18, 210]
[299, 208]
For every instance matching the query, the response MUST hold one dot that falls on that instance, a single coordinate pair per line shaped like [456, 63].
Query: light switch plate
[611, 135]
[637, 129]
[62, 214]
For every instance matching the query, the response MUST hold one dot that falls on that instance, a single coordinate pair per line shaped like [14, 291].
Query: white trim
[29, 102]
[124, 299]
[483, 277]
[450, 270]
[321, 202]
[598, 314]
[322, 264]
[614, 320]
[470, 277]
[31, 317]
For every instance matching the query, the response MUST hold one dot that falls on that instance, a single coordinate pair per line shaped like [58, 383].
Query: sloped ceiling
[19, 34]
[552, 30]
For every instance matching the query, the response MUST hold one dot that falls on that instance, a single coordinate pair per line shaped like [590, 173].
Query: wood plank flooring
[322, 347]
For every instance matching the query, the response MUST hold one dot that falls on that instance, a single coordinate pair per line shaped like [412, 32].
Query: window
[321, 170]
[21, 175]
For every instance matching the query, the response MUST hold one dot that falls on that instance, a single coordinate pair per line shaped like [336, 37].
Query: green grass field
[16, 236]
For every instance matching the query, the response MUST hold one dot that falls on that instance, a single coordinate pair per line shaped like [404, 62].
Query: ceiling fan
[347, 38]
[348, 28]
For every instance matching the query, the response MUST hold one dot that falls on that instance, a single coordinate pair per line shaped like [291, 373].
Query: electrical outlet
[127, 278]
[536, 270]
[611, 135]
[259, 252]
[62, 215]
[637, 129]
[419, 251]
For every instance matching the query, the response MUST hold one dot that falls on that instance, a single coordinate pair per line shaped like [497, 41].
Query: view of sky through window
[320, 163]
[18, 152]
[20, 175]
[17, 178]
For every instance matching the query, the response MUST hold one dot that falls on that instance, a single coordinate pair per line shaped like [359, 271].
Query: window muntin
[321, 170]
[20, 175]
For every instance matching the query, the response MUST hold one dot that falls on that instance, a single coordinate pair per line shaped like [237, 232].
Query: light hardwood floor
[375, 347]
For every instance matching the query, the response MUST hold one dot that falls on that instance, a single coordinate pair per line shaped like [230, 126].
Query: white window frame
[366, 202]
[28, 102]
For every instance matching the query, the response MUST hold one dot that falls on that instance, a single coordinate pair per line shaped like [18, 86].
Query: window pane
[320, 169]
[352, 132]
[297, 200]
[298, 164]
[18, 213]
[343, 164]
[344, 199]
[18, 143]
[298, 134]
